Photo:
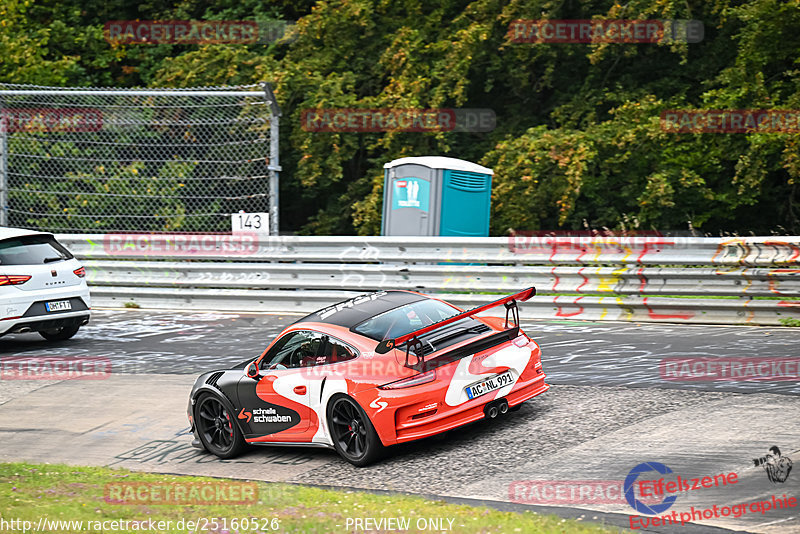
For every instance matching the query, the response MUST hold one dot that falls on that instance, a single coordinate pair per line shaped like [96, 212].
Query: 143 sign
[250, 222]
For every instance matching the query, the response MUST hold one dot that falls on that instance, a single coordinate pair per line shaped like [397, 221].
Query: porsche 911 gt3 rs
[370, 372]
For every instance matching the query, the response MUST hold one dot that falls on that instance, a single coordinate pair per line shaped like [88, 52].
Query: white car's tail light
[80, 273]
[416, 380]
[13, 279]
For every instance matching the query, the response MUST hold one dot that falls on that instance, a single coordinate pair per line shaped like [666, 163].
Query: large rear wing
[510, 303]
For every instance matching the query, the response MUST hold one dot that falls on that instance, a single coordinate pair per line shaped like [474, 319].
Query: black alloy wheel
[218, 432]
[352, 432]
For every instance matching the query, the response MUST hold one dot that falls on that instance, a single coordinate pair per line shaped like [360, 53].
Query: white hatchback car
[42, 286]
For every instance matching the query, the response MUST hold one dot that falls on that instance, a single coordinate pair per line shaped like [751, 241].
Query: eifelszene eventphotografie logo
[630, 496]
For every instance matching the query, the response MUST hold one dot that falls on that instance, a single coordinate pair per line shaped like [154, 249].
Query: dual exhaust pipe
[495, 408]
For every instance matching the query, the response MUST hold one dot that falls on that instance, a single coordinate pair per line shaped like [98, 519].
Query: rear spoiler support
[511, 308]
[509, 302]
[414, 344]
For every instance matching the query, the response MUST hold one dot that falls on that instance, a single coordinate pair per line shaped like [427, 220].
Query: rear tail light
[522, 341]
[80, 272]
[416, 380]
[13, 279]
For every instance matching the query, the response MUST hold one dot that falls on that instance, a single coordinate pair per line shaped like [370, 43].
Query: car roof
[352, 312]
[7, 232]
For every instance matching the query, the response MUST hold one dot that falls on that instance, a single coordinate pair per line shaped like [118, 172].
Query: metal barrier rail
[478, 278]
[747, 252]
[635, 309]
[731, 281]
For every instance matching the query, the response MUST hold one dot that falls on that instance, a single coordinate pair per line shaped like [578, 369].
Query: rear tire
[219, 433]
[59, 334]
[353, 435]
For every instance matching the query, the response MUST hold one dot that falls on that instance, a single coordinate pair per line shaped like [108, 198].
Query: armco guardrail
[705, 280]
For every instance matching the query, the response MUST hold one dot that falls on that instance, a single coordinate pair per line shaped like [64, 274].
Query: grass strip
[82, 494]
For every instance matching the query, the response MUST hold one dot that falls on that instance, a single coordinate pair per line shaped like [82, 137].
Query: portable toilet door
[466, 202]
[435, 195]
[410, 200]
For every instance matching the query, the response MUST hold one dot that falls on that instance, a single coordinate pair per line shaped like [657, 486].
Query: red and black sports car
[373, 371]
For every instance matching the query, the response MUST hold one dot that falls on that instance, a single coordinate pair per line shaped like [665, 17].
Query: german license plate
[490, 384]
[58, 305]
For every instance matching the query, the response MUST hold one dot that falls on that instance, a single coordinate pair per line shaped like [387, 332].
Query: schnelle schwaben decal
[669, 489]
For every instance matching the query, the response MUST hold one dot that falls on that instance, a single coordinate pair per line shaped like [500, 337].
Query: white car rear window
[32, 250]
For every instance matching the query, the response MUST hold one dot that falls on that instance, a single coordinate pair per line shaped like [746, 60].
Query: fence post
[3, 166]
[274, 160]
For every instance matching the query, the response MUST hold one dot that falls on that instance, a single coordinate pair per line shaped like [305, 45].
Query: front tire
[352, 432]
[59, 334]
[219, 433]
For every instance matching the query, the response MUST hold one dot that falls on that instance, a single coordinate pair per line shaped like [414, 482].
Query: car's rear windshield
[407, 318]
[32, 250]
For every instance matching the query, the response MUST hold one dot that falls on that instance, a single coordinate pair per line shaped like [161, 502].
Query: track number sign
[250, 223]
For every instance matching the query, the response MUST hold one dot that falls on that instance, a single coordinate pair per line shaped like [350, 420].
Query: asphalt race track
[609, 409]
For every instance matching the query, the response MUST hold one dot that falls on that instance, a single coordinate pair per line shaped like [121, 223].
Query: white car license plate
[490, 384]
[58, 305]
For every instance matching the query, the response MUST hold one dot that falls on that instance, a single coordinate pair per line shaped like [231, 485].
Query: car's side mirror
[252, 371]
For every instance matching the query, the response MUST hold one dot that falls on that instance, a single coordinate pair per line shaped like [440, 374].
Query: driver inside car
[304, 356]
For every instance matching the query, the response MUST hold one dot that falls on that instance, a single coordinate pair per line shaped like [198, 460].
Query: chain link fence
[137, 160]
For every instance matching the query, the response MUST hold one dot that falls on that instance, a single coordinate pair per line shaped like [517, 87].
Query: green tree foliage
[578, 139]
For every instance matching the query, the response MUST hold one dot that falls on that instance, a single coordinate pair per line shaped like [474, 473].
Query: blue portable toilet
[434, 195]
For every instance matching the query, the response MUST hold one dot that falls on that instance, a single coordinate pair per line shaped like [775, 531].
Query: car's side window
[296, 349]
[336, 351]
